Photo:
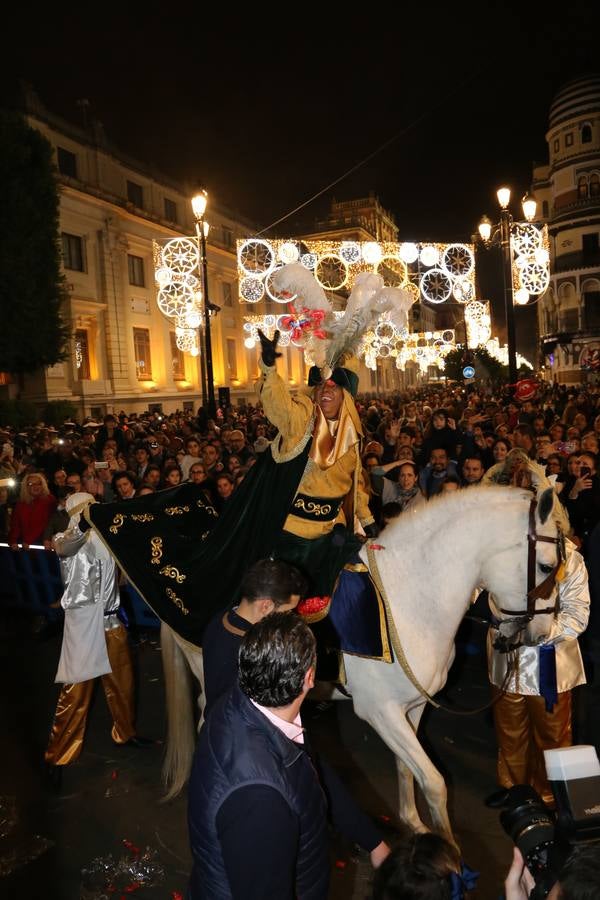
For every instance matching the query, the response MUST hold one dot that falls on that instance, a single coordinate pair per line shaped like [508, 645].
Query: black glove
[371, 530]
[269, 348]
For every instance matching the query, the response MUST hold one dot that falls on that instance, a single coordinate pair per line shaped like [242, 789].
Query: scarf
[404, 497]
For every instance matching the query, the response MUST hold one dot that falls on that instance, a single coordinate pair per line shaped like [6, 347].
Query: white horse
[429, 566]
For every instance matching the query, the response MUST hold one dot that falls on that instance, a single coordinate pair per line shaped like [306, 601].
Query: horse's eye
[546, 569]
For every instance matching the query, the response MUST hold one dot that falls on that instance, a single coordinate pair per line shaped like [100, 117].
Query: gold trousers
[68, 728]
[524, 730]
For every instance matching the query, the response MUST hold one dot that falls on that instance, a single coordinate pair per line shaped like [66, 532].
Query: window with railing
[143, 358]
[582, 188]
[82, 354]
[170, 210]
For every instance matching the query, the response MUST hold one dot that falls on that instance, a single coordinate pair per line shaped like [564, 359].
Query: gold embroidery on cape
[207, 507]
[176, 510]
[312, 508]
[157, 551]
[116, 523]
[172, 572]
[177, 601]
[143, 517]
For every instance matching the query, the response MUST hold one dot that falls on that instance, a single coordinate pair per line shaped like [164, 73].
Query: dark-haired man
[258, 802]
[269, 585]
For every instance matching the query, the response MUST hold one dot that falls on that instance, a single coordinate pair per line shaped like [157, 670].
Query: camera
[546, 839]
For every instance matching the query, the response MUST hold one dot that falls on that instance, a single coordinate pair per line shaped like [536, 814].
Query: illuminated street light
[525, 269]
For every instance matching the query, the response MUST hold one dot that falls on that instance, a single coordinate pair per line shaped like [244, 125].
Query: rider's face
[329, 397]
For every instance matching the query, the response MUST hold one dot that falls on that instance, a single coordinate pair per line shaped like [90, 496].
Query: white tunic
[571, 621]
[90, 601]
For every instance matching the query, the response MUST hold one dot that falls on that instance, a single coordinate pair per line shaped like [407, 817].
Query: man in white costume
[534, 713]
[95, 643]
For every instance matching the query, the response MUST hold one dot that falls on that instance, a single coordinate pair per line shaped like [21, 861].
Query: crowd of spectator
[417, 445]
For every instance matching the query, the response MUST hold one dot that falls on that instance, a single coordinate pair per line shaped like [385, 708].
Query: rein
[544, 589]
[399, 650]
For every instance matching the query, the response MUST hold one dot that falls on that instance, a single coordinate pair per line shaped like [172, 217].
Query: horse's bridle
[542, 590]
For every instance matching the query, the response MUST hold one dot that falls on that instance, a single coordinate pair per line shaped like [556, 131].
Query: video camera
[544, 838]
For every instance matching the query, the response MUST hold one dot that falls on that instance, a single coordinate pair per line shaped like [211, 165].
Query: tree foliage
[33, 332]
[487, 367]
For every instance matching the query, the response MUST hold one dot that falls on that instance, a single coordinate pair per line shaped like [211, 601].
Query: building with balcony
[123, 350]
[568, 189]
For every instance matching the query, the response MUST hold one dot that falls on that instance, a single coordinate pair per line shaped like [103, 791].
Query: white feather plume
[299, 281]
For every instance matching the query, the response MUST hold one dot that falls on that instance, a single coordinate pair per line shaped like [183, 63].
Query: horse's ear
[545, 504]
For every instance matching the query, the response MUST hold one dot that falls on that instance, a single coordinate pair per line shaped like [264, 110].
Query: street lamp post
[500, 235]
[199, 202]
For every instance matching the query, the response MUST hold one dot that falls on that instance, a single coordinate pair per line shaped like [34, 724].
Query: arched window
[582, 188]
[586, 134]
[594, 185]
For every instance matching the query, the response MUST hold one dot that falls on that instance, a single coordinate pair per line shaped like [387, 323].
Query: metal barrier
[30, 580]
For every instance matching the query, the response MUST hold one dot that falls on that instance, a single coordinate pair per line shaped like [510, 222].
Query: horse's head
[522, 575]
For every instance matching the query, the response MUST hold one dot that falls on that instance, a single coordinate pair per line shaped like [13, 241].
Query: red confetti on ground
[385, 818]
[114, 774]
[175, 895]
[340, 864]
[134, 886]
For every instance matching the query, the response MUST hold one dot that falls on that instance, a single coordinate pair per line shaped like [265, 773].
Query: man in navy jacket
[258, 801]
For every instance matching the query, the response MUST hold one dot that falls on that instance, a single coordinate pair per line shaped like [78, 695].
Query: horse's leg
[406, 781]
[392, 725]
[181, 733]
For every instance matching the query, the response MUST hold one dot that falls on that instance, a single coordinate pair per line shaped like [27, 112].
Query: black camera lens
[528, 821]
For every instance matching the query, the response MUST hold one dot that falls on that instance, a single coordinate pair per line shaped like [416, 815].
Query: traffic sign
[468, 372]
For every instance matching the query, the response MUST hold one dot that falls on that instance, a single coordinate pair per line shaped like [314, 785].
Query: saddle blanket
[357, 616]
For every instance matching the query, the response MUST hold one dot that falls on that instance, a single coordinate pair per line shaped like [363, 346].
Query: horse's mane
[450, 508]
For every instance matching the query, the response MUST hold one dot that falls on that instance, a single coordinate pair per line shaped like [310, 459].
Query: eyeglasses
[34, 484]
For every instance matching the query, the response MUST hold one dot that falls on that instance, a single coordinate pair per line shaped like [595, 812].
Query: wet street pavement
[113, 795]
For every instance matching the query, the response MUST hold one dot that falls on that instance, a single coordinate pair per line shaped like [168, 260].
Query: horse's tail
[181, 730]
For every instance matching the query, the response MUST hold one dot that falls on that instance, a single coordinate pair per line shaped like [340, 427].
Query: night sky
[266, 116]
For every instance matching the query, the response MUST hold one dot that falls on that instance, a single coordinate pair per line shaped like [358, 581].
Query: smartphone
[101, 465]
[585, 472]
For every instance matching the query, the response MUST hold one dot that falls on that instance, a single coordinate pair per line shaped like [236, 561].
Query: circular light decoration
[256, 257]
[447, 336]
[463, 290]
[429, 255]
[436, 286]
[522, 296]
[180, 255]
[457, 260]
[288, 252]
[385, 331]
[372, 252]
[186, 341]
[187, 278]
[409, 252]
[163, 276]
[193, 318]
[274, 294]
[252, 289]
[309, 260]
[525, 238]
[384, 351]
[195, 351]
[535, 278]
[331, 272]
[413, 290]
[173, 299]
[250, 343]
[393, 271]
[541, 256]
[350, 252]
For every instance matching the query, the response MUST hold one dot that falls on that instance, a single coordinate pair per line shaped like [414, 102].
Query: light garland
[433, 272]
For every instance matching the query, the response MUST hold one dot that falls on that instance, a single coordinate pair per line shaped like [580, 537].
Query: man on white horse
[318, 533]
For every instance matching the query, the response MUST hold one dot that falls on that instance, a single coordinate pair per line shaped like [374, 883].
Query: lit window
[82, 354]
[143, 359]
[582, 188]
[177, 360]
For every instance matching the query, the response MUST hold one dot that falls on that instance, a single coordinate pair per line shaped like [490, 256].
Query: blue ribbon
[466, 880]
[548, 688]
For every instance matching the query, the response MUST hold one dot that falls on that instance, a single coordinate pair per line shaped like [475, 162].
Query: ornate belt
[317, 509]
